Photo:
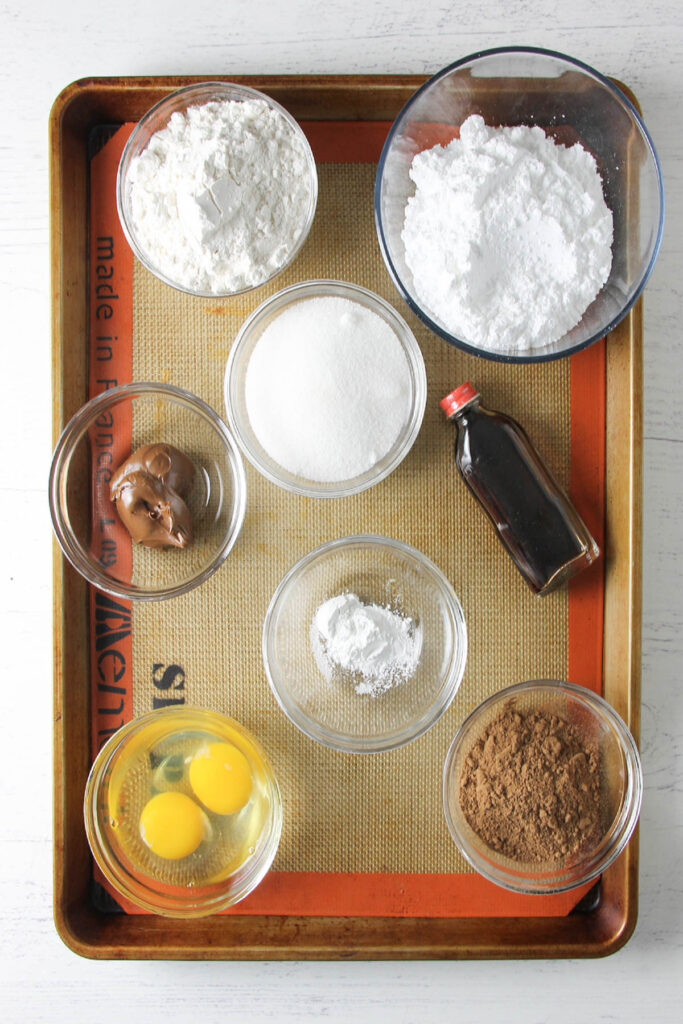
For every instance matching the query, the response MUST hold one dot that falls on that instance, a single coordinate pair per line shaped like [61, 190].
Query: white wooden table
[43, 46]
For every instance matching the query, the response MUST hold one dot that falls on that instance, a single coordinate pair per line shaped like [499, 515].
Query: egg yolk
[220, 777]
[172, 825]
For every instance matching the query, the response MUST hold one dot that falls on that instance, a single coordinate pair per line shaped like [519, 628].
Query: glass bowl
[620, 787]
[96, 441]
[571, 102]
[157, 119]
[326, 706]
[196, 858]
[235, 389]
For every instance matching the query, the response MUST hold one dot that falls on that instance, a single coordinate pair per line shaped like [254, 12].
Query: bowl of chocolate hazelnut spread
[542, 787]
[147, 491]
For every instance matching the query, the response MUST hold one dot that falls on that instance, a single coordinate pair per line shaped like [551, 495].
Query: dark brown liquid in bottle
[542, 531]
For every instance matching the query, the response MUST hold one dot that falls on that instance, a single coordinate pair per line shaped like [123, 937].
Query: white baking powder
[327, 389]
[219, 197]
[507, 236]
[378, 646]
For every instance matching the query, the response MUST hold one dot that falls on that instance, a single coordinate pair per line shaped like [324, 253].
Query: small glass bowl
[235, 382]
[329, 710]
[157, 119]
[96, 441]
[151, 755]
[621, 787]
[571, 102]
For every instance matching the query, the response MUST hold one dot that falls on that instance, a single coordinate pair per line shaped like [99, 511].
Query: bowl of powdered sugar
[325, 389]
[364, 644]
[216, 189]
[519, 204]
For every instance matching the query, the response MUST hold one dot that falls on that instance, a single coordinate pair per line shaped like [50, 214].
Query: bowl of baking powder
[519, 204]
[364, 644]
[216, 189]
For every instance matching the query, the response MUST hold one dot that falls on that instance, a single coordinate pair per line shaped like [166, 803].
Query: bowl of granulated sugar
[325, 389]
[519, 204]
[216, 189]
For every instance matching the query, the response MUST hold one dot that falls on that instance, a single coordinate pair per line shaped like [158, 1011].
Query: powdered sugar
[219, 197]
[508, 236]
[379, 647]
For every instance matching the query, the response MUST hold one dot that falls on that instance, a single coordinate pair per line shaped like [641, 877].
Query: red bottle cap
[458, 399]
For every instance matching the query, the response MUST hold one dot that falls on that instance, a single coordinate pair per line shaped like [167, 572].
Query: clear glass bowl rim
[202, 89]
[71, 436]
[321, 287]
[626, 821]
[393, 273]
[453, 676]
[146, 897]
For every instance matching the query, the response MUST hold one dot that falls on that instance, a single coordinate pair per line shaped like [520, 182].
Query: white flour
[508, 236]
[327, 389]
[378, 646]
[219, 197]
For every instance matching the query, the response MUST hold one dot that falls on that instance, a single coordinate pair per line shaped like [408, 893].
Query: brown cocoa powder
[530, 786]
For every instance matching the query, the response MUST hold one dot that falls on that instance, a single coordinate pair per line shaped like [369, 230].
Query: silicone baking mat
[362, 835]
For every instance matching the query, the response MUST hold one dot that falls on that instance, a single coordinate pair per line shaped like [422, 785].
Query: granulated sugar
[328, 389]
[219, 197]
[508, 236]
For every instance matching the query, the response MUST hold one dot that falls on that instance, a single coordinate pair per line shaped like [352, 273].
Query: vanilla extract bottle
[542, 531]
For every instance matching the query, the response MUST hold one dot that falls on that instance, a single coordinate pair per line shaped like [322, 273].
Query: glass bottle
[542, 531]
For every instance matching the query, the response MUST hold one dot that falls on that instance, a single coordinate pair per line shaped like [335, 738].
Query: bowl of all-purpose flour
[519, 204]
[325, 389]
[216, 189]
[364, 644]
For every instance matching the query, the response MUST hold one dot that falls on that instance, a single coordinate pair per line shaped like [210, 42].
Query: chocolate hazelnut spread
[148, 491]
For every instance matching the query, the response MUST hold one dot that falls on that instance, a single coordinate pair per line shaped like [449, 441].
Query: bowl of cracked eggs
[182, 812]
[519, 204]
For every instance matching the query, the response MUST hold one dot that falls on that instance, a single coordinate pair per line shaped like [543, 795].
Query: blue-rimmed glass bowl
[571, 102]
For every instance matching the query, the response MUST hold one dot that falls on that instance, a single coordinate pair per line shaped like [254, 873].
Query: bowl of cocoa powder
[542, 787]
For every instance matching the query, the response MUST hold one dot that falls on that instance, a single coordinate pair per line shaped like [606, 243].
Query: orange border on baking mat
[587, 399]
[395, 895]
[110, 363]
